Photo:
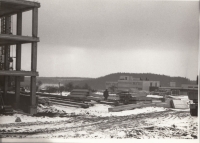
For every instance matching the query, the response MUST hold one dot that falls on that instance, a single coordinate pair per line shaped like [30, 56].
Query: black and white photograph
[99, 70]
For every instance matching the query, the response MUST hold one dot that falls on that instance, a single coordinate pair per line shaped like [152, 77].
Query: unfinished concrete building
[8, 8]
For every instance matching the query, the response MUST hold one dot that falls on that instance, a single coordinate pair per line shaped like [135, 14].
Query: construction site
[136, 109]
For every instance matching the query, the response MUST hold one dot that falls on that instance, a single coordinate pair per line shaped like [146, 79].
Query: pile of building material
[116, 103]
[113, 97]
[79, 94]
[139, 93]
[166, 104]
[156, 97]
[142, 99]
[48, 111]
[129, 107]
[96, 97]
[50, 99]
[65, 102]
[99, 96]
[173, 103]
[146, 102]
[44, 101]
[136, 97]
[179, 104]
[6, 110]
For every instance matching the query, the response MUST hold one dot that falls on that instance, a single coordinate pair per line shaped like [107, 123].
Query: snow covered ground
[96, 122]
[24, 118]
[155, 96]
[102, 110]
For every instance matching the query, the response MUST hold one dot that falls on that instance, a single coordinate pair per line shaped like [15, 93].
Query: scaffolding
[7, 9]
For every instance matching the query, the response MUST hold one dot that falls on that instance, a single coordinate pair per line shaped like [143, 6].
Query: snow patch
[102, 110]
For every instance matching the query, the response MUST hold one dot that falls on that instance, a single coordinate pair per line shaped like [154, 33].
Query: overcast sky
[93, 38]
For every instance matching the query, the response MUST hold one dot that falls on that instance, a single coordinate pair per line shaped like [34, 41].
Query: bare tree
[69, 86]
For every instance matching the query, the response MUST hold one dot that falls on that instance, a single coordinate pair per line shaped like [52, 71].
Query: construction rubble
[148, 118]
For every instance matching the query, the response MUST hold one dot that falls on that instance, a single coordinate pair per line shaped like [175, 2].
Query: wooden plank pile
[113, 97]
[156, 101]
[79, 94]
[98, 99]
[101, 97]
[69, 103]
[129, 107]
[110, 103]
[179, 104]
[141, 99]
[166, 104]
[139, 93]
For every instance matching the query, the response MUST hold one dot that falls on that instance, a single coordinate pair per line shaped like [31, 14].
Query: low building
[172, 84]
[150, 85]
[182, 90]
[128, 83]
[189, 86]
[112, 86]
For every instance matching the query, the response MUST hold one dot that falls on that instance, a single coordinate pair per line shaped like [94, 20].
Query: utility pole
[59, 89]
[197, 80]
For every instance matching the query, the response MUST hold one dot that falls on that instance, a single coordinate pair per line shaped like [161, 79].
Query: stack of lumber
[7, 110]
[166, 104]
[141, 99]
[109, 103]
[171, 103]
[139, 93]
[113, 97]
[69, 103]
[95, 98]
[100, 97]
[156, 98]
[179, 104]
[129, 107]
[79, 94]
[156, 101]
[97, 95]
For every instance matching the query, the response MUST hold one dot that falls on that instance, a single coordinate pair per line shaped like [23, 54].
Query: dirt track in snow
[163, 124]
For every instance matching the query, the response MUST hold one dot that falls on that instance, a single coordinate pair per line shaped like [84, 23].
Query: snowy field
[97, 123]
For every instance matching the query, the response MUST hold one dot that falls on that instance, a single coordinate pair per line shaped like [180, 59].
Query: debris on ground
[50, 111]
[129, 107]
[96, 122]
[44, 101]
[18, 119]
[179, 104]
[140, 123]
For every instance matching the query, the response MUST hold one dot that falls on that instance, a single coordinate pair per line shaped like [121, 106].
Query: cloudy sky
[93, 38]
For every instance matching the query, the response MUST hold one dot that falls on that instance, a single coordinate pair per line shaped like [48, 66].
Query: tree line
[66, 87]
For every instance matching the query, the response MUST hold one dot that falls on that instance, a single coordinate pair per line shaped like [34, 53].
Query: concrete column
[33, 108]
[18, 60]
[6, 57]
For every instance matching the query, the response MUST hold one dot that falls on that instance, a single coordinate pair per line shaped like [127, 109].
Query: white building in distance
[128, 83]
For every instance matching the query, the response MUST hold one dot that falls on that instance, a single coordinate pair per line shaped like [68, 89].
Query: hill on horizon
[99, 83]
[54, 80]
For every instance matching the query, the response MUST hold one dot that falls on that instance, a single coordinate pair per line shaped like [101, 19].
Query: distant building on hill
[189, 86]
[172, 84]
[128, 83]
[181, 90]
[112, 86]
